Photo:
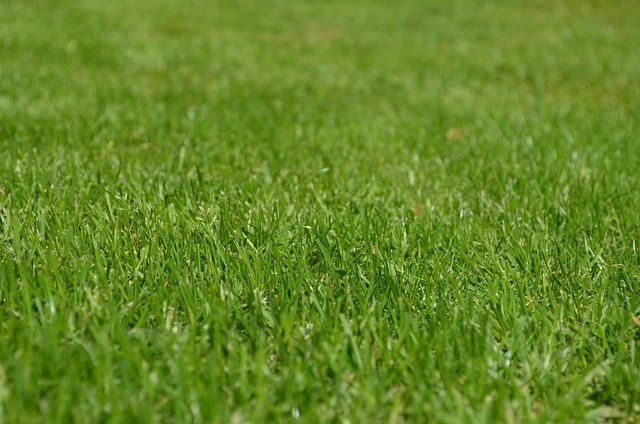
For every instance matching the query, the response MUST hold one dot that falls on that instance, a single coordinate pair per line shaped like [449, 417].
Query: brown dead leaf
[2, 191]
[636, 320]
[455, 134]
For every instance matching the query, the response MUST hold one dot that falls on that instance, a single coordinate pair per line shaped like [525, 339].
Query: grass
[319, 211]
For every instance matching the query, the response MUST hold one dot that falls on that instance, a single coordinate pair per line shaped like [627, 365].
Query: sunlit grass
[322, 211]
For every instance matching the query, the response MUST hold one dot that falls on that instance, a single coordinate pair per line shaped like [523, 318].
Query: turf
[351, 211]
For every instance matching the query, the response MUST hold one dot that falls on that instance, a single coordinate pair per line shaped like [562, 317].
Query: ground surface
[342, 210]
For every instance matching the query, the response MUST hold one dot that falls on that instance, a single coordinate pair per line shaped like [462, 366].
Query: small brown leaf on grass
[455, 134]
[636, 320]
[2, 191]
[417, 210]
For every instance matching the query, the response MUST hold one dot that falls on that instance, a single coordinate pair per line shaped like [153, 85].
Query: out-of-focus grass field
[217, 211]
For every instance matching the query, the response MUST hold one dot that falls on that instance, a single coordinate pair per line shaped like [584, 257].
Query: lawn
[336, 211]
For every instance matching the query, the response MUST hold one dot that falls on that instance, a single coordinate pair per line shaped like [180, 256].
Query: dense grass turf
[366, 211]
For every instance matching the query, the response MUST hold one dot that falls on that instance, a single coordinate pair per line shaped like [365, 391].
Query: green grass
[252, 211]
